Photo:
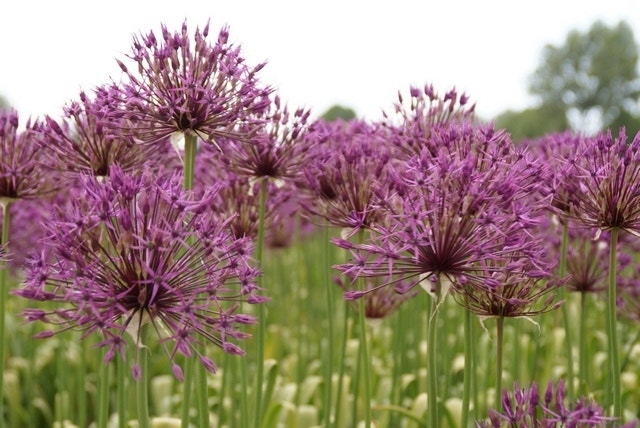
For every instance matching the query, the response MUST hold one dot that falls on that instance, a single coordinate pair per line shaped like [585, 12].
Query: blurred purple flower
[22, 175]
[136, 250]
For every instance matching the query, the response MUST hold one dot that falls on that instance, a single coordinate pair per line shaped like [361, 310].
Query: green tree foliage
[4, 104]
[593, 76]
[338, 112]
[532, 122]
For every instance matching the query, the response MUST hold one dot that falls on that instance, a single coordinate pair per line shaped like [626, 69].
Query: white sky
[357, 53]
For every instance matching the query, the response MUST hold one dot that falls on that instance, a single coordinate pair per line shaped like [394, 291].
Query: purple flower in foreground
[199, 88]
[525, 408]
[137, 250]
[460, 215]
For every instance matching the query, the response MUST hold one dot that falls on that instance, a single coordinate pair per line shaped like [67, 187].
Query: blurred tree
[4, 103]
[593, 77]
[532, 122]
[338, 112]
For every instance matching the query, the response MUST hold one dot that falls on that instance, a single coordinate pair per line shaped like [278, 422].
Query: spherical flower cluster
[525, 408]
[131, 251]
[80, 144]
[21, 173]
[182, 87]
[464, 217]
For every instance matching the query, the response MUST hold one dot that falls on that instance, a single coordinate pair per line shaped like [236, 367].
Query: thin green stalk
[328, 362]
[121, 381]
[103, 389]
[432, 370]
[262, 324]
[614, 357]
[364, 347]
[468, 370]
[142, 385]
[499, 356]
[226, 373]
[202, 392]
[584, 348]
[4, 292]
[341, 370]
[81, 388]
[562, 271]
[190, 146]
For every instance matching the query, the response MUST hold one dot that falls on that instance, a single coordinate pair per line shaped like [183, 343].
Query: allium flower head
[278, 151]
[81, 145]
[347, 177]
[413, 117]
[609, 194]
[21, 172]
[458, 215]
[179, 86]
[136, 250]
[526, 408]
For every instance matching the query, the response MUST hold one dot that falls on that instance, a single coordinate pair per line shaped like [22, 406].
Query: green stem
[365, 361]
[584, 348]
[328, 362]
[121, 379]
[202, 392]
[186, 390]
[614, 357]
[432, 371]
[262, 324]
[190, 146]
[468, 369]
[142, 386]
[561, 293]
[499, 345]
[103, 390]
[4, 292]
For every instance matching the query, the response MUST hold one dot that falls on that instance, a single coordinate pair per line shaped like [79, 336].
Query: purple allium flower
[609, 172]
[413, 118]
[136, 250]
[81, 145]
[381, 302]
[26, 216]
[525, 408]
[347, 177]
[179, 86]
[238, 197]
[21, 173]
[278, 151]
[459, 216]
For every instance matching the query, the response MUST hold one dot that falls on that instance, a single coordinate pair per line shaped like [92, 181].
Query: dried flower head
[137, 250]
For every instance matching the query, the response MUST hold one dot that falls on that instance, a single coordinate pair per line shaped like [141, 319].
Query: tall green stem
[432, 370]
[190, 146]
[365, 361]
[262, 324]
[328, 361]
[103, 390]
[499, 346]
[121, 376]
[142, 385]
[614, 357]
[562, 295]
[4, 292]
[585, 380]
[468, 369]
